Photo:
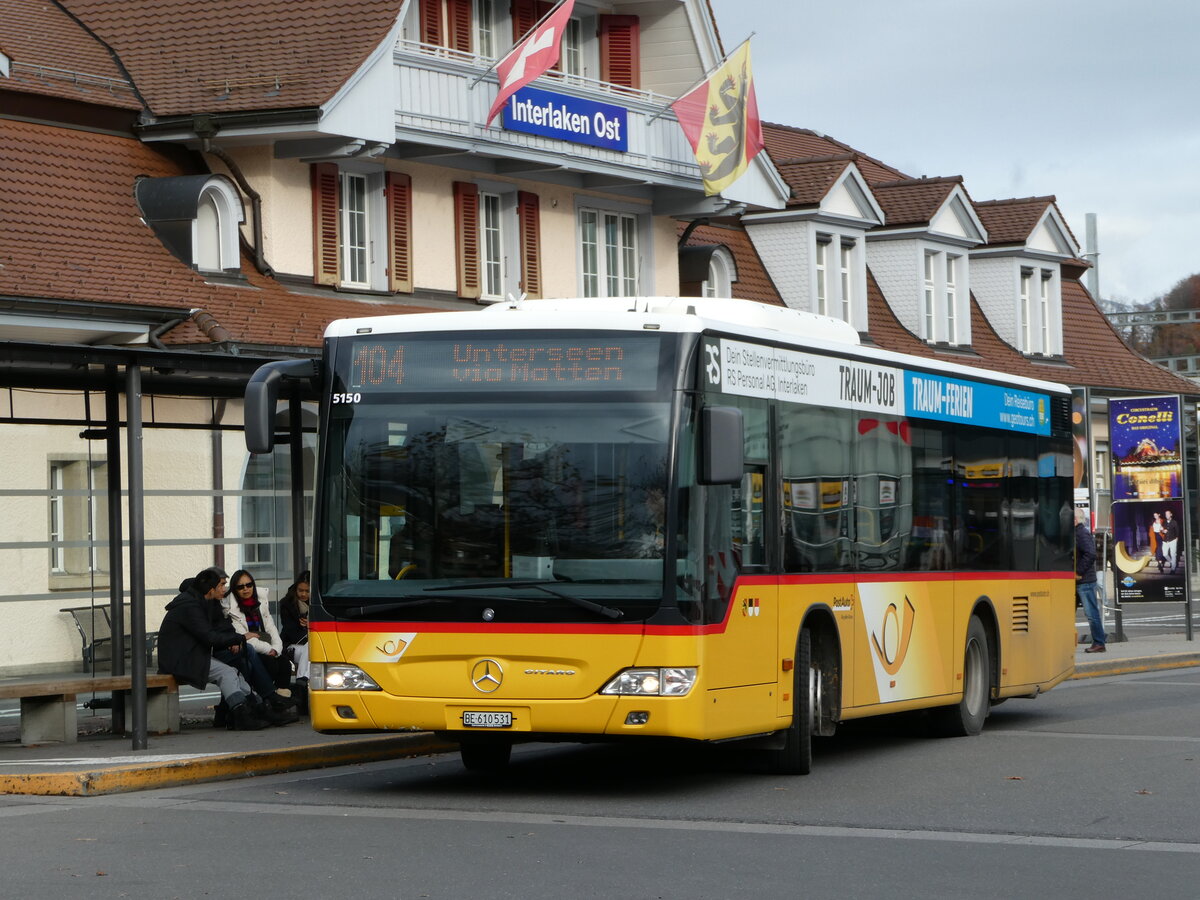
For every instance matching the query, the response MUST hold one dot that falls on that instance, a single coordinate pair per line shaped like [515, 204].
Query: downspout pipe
[205, 129]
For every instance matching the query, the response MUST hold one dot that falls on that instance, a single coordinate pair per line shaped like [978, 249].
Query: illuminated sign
[567, 119]
[481, 363]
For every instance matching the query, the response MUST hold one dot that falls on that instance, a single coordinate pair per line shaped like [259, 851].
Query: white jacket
[264, 643]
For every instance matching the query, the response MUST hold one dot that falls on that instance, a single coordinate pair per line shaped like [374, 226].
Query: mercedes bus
[702, 519]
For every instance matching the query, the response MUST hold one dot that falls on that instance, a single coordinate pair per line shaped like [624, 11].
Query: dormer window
[1020, 288]
[1037, 326]
[952, 298]
[822, 270]
[197, 218]
[943, 297]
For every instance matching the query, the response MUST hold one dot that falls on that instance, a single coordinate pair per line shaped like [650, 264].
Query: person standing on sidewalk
[1085, 580]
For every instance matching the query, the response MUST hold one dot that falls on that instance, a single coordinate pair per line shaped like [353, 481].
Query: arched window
[215, 228]
[721, 275]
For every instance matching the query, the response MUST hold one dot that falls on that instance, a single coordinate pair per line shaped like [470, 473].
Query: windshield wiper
[358, 612]
[591, 606]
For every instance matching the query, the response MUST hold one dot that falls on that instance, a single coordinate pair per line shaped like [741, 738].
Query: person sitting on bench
[194, 626]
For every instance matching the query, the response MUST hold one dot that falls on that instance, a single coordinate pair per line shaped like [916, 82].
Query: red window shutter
[620, 51]
[529, 214]
[459, 21]
[325, 184]
[431, 22]
[525, 14]
[466, 229]
[399, 211]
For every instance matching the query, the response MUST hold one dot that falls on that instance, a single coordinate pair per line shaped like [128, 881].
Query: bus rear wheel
[795, 756]
[966, 717]
[486, 755]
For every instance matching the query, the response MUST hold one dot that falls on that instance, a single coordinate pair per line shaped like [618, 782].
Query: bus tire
[795, 756]
[966, 717]
[486, 755]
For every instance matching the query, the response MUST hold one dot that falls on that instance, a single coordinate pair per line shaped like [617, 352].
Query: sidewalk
[104, 764]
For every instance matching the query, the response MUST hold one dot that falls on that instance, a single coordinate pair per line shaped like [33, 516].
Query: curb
[1136, 664]
[219, 767]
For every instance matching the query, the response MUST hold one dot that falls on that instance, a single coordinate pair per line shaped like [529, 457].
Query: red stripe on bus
[677, 630]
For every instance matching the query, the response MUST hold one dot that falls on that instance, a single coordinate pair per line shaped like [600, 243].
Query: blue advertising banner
[1149, 531]
[574, 119]
[954, 400]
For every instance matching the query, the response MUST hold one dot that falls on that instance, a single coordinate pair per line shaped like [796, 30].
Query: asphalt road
[1092, 790]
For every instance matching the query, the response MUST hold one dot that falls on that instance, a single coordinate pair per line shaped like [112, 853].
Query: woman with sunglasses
[252, 618]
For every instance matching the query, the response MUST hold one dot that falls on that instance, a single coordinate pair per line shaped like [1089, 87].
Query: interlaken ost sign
[565, 118]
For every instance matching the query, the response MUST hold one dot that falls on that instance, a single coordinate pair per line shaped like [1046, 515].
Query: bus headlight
[665, 682]
[339, 677]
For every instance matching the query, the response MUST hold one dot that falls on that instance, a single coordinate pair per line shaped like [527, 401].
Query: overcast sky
[1093, 101]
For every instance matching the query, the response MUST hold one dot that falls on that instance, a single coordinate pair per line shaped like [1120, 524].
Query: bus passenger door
[740, 666]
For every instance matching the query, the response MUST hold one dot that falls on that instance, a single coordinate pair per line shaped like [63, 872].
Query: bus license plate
[487, 719]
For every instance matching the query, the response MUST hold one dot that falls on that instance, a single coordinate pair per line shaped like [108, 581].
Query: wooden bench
[48, 703]
[95, 630]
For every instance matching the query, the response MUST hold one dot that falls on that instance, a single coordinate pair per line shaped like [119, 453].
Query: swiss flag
[536, 52]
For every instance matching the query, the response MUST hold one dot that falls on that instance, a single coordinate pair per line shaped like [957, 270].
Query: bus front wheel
[487, 755]
[966, 717]
[795, 756]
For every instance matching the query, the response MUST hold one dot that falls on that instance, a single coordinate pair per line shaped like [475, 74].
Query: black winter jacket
[192, 627]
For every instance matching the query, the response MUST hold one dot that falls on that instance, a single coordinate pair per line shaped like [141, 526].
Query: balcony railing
[435, 99]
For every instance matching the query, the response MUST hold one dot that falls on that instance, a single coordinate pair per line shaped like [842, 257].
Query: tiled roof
[1100, 356]
[203, 56]
[913, 201]
[1095, 354]
[811, 179]
[52, 55]
[1011, 221]
[753, 281]
[784, 143]
[72, 231]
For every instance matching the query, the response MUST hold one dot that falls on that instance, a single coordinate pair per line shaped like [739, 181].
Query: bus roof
[746, 319]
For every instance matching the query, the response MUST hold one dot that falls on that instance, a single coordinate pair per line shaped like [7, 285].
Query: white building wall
[996, 286]
[896, 266]
[178, 510]
[785, 250]
[670, 60]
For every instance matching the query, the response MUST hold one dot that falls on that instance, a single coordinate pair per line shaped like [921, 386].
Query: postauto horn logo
[892, 648]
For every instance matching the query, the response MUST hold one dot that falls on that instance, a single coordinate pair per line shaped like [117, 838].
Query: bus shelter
[126, 473]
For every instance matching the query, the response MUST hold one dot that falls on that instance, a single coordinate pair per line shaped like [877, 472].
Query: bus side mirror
[262, 396]
[721, 445]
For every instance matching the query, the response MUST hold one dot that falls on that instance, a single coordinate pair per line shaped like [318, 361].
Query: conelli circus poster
[1148, 509]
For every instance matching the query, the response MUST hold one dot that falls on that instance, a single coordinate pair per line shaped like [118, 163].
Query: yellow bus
[702, 519]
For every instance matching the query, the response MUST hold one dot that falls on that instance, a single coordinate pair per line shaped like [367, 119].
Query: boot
[221, 717]
[300, 692]
[280, 703]
[281, 717]
[243, 718]
[274, 715]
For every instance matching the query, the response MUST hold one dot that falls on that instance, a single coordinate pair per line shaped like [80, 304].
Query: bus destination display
[481, 363]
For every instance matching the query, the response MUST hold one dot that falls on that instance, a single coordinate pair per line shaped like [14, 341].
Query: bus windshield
[528, 509]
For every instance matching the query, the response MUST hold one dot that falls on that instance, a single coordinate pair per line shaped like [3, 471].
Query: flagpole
[517, 43]
[707, 75]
